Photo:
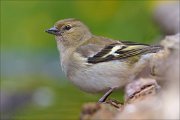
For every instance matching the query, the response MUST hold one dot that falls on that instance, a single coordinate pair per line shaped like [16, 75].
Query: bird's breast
[99, 77]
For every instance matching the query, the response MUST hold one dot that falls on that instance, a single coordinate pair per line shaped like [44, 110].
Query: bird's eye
[67, 27]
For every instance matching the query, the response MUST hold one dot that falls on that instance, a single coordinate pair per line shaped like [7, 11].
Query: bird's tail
[154, 48]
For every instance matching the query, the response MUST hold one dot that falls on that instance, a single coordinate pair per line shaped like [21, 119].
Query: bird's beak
[53, 31]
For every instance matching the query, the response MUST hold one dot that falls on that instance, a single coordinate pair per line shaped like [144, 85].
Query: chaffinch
[95, 63]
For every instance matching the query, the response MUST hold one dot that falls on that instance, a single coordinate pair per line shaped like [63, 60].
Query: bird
[97, 64]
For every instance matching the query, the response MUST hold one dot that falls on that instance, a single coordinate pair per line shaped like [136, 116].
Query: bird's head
[70, 32]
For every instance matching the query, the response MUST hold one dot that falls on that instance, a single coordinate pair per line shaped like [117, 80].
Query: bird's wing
[94, 46]
[116, 50]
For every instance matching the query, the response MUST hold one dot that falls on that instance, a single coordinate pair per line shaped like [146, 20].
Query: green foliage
[23, 22]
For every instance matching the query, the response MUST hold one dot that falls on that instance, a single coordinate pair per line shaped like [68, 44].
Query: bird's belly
[100, 77]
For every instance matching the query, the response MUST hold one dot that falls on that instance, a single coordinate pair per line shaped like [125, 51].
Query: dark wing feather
[129, 49]
[133, 43]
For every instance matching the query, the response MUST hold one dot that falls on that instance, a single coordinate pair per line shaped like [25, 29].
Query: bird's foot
[114, 103]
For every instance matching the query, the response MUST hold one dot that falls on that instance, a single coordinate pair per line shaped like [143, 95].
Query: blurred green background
[32, 83]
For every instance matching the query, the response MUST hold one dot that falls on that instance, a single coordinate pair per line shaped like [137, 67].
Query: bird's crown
[59, 24]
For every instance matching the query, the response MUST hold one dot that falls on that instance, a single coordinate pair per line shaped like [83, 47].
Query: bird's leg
[106, 95]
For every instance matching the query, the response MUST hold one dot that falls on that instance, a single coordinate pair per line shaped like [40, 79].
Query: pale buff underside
[102, 76]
